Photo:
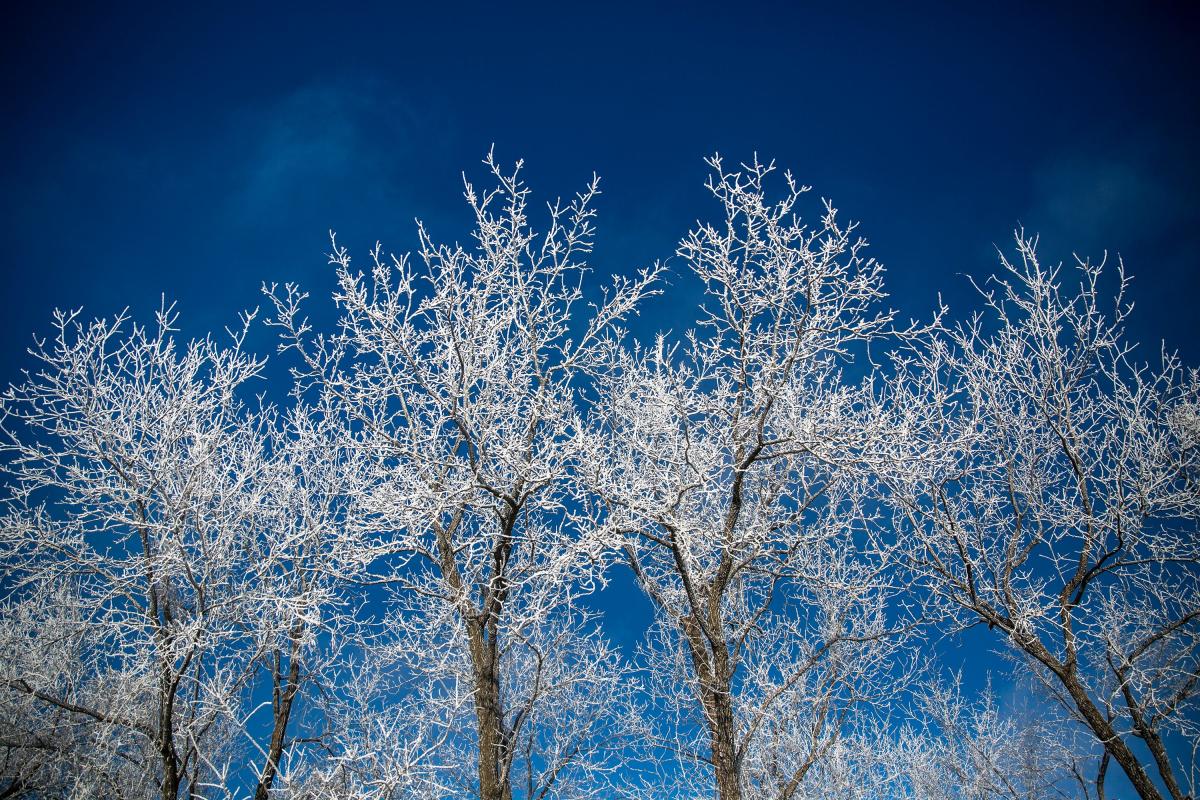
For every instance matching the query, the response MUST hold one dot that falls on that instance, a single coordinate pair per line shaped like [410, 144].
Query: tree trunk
[712, 675]
[1113, 743]
[724, 751]
[283, 697]
[494, 744]
[172, 775]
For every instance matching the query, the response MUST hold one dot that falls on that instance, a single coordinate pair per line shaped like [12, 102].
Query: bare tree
[169, 549]
[965, 747]
[460, 378]
[726, 471]
[126, 456]
[377, 589]
[1047, 484]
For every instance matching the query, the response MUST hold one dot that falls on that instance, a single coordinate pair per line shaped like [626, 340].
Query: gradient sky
[198, 152]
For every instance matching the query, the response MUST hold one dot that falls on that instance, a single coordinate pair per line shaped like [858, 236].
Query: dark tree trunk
[282, 699]
[714, 683]
[494, 744]
[1114, 745]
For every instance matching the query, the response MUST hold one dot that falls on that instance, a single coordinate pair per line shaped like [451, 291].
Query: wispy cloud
[332, 139]
[1114, 198]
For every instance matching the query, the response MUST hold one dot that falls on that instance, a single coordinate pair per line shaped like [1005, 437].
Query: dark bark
[495, 741]
[1105, 733]
[715, 689]
[172, 772]
[283, 697]
[1108, 736]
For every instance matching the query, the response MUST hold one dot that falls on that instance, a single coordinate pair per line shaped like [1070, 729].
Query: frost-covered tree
[725, 468]
[126, 456]
[171, 561]
[965, 747]
[943, 743]
[1046, 481]
[374, 587]
[459, 372]
[305, 560]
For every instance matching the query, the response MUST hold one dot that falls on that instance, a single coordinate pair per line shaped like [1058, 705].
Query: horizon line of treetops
[379, 586]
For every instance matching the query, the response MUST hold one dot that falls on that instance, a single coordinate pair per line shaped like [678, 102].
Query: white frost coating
[376, 589]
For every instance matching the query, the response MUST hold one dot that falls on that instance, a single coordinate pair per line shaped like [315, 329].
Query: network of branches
[387, 579]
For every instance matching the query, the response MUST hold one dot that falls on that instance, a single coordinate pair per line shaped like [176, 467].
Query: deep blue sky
[197, 152]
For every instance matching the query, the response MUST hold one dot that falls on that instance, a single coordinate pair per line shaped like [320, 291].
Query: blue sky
[196, 152]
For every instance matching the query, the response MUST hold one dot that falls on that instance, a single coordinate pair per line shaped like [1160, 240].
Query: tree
[1047, 483]
[377, 587]
[168, 548]
[127, 458]
[727, 473]
[961, 747]
[460, 379]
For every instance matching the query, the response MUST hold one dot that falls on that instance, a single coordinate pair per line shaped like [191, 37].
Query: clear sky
[199, 151]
